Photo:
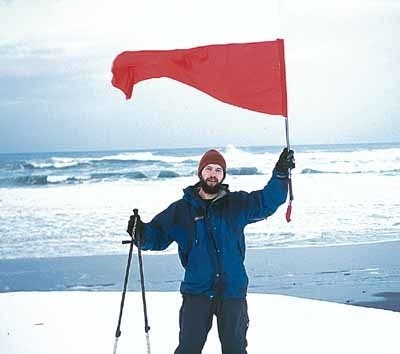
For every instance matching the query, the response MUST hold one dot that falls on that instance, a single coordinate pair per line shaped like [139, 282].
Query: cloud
[341, 58]
[21, 50]
[73, 36]
[29, 59]
[332, 8]
[5, 2]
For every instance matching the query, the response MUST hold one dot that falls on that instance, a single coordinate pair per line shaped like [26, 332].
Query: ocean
[78, 203]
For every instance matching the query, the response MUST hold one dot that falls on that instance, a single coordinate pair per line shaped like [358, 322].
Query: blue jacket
[210, 239]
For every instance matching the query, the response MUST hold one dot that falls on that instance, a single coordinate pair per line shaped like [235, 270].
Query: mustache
[212, 179]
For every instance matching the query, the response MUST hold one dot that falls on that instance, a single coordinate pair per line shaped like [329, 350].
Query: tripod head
[132, 225]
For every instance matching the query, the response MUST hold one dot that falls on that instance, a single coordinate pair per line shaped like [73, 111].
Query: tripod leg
[128, 265]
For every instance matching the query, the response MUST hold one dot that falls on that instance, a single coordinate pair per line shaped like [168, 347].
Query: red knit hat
[211, 157]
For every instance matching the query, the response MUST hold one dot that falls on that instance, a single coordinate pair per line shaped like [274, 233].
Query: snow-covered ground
[85, 322]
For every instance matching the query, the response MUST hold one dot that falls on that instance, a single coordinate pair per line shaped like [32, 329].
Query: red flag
[248, 75]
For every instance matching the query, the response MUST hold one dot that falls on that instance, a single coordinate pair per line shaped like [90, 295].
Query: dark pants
[195, 320]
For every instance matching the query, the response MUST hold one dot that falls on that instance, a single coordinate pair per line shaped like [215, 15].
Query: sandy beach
[367, 275]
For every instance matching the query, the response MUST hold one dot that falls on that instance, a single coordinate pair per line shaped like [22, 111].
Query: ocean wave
[39, 180]
[118, 175]
[311, 171]
[49, 165]
[92, 163]
[31, 180]
[168, 174]
[394, 172]
[242, 171]
[25, 165]
[44, 179]
[151, 174]
[82, 167]
[390, 172]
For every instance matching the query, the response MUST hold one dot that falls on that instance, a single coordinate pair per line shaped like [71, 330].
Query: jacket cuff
[280, 174]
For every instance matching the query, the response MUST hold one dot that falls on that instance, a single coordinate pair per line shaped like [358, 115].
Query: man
[207, 224]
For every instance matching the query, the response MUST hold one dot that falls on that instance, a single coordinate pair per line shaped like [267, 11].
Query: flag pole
[289, 207]
[285, 114]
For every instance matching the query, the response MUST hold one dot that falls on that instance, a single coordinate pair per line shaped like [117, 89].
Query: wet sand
[365, 275]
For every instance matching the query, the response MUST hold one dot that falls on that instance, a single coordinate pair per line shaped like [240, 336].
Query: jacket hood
[191, 195]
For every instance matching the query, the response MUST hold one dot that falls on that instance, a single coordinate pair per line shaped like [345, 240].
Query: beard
[210, 189]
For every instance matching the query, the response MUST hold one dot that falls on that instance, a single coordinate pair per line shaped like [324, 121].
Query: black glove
[285, 162]
[138, 234]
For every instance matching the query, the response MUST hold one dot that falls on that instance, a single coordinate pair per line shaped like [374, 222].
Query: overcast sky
[342, 60]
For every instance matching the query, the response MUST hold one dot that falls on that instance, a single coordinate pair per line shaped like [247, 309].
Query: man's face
[211, 178]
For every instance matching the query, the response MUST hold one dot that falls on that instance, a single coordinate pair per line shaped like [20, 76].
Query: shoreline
[363, 275]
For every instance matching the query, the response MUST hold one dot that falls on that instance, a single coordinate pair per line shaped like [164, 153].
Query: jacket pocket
[196, 241]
